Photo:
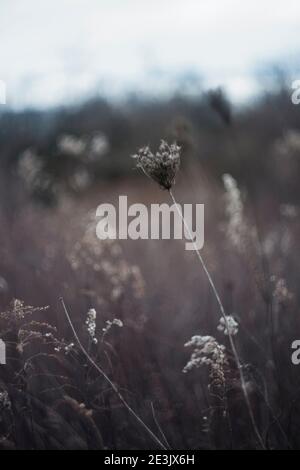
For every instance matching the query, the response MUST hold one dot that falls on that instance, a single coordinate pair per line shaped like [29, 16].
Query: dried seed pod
[161, 167]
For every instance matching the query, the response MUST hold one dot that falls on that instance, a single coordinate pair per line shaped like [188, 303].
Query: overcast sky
[53, 51]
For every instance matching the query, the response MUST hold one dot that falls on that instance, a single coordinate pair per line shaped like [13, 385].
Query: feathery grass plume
[112, 385]
[162, 166]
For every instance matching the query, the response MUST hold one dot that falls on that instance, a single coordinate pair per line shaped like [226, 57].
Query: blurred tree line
[75, 147]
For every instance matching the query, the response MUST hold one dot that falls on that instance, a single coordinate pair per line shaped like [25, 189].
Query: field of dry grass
[151, 296]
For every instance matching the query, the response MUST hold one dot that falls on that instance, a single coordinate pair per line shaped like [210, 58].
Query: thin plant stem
[222, 310]
[112, 385]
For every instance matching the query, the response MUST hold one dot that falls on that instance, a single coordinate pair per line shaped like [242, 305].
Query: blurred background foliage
[73, 148]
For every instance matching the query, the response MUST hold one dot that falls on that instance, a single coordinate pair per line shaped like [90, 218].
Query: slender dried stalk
[159, 427]
[231, 340]
[162, 167]
[112, 385]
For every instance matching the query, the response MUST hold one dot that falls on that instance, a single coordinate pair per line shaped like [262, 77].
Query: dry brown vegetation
[51, 396]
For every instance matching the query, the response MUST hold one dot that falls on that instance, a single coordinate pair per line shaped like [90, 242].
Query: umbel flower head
[161, 167]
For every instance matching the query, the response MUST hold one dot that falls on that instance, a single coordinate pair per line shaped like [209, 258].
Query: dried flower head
[220, 104]
[109, 324]
[91, 324]
[161, 167]
[236, 230]
[281, 293]
[207, 351]
[289, 211]
[229, 327]
[69, 347]
[18, 310]
[5, 402]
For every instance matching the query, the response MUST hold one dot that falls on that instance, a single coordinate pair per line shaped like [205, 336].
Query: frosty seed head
[162, 166]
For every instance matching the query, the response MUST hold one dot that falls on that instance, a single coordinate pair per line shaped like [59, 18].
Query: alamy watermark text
[163, 222]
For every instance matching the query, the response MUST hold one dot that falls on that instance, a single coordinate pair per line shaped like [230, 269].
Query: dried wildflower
[236, 229]
[42, 332]
[80, 180]
[3, 285]
[5, 402]
[281, 293]
[99, 146]
[288, 144]
[115, 277]
[270, 242]
[289, 211]
[69, 347]
[93, 146]
[207, 351]
[109, 324]
[161, 167]
[282, 297]
[18, 310]
[91, 324]
[229, 327]
[71, 145]
[2, 352]
[30, 167]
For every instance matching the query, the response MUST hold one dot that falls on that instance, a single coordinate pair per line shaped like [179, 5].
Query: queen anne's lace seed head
[229, 327]
[161, 167]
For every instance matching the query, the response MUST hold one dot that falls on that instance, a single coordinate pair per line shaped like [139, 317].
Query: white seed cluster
[91, 324]
[228, 326]
[207, 351]
[109, 324]
[5, 402]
